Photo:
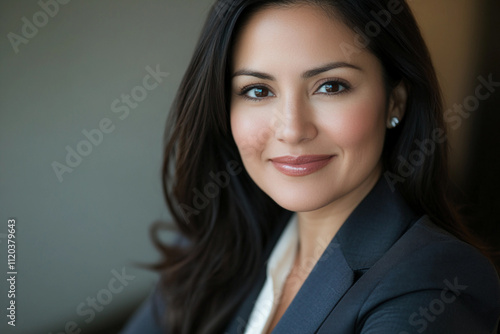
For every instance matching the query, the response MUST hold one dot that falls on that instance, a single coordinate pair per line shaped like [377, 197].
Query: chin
[300, 200]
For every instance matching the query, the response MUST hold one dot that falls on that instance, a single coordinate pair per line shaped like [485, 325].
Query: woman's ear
[397, 105]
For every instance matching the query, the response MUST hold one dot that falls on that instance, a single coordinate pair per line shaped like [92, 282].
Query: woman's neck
[317, 228]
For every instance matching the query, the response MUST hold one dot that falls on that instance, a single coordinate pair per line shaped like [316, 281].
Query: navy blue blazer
[386, 271]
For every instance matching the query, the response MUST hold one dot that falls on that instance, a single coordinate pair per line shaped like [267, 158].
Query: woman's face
[308, 115]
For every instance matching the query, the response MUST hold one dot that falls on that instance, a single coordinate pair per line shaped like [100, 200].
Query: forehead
[298, 35]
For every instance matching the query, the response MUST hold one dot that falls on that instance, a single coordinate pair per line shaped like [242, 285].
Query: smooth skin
[296, 92]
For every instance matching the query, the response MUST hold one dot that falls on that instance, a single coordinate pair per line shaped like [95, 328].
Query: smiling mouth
[301, 165]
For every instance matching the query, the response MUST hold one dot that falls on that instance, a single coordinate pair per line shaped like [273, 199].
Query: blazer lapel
[371, 229]
[330, 278]
[374, 226]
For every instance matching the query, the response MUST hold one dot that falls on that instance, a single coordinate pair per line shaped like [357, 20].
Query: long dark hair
[223, 219]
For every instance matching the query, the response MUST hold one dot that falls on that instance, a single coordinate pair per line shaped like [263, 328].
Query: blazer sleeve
[147, 319]
[446, 287]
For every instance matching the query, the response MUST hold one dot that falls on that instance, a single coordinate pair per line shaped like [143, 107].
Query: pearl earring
[394, 122]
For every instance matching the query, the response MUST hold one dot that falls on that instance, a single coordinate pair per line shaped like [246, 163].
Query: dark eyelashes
[346, 86]
[244, 90]
[248, 88]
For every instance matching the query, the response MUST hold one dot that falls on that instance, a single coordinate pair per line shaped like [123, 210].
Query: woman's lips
[301, 165]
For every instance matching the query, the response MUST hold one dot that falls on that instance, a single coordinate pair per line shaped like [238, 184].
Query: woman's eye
[258, 93]
[332, 87]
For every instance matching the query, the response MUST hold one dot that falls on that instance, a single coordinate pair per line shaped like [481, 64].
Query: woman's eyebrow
[260, 75]
[306, 75]
[330, 66]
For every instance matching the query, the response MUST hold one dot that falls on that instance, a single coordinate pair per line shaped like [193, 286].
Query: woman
[306, 171]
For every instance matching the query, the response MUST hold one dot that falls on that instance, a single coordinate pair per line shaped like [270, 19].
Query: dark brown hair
[223, 219]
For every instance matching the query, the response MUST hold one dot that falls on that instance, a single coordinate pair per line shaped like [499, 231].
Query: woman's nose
[293, 121]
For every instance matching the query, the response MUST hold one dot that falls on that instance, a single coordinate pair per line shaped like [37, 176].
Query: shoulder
[430, 273]
[147, 318]
[430, 253]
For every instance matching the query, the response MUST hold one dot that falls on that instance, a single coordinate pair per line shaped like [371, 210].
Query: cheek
[360, 126]
[249, 133]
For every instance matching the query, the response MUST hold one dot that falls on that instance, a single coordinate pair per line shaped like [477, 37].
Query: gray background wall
[71, 235]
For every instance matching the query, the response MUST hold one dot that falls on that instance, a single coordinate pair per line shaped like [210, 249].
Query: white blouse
[279, 265]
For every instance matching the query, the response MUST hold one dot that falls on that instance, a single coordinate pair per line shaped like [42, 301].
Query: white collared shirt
[279, 266]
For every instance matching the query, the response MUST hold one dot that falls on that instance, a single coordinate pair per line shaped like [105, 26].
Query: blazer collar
[371, 229]
[374, 226]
